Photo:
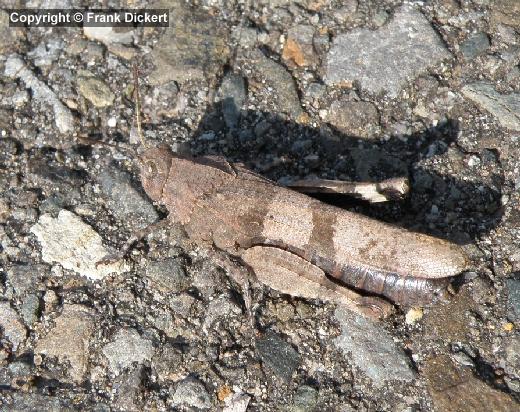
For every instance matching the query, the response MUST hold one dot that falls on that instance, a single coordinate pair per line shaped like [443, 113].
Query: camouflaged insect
[295, 243]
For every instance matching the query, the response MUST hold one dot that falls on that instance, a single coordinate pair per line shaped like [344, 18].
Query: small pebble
[112, 122]
[414, 315]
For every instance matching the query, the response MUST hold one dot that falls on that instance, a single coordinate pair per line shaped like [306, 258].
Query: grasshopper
[292, 242]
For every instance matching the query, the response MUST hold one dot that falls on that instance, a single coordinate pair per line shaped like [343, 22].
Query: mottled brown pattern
[321, 243]
[155, 169]
[288, 219]
[360, 240]
[239, 229]
[188, 182]
[234, 209]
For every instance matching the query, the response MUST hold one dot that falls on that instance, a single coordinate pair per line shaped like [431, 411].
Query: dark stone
[167, 276]
[194, 44]
[512, 287]
[284, 87]
[305, 399]
[474, 45]
[30, 402]
[125, 201]
[278, 355]
[355, 118]
[30, 308]
[24, 278]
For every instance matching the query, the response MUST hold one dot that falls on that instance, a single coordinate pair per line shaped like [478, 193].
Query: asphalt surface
[352, 90]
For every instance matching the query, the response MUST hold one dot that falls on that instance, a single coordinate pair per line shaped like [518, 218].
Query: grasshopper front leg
[132, 240]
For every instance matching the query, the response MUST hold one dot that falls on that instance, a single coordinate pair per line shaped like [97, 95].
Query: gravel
[16, 68]
[12, 326]
[292, 89]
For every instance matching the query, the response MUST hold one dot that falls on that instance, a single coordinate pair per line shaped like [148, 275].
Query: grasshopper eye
[151, 168]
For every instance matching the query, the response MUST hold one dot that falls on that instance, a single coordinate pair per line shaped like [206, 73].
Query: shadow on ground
[278, 149]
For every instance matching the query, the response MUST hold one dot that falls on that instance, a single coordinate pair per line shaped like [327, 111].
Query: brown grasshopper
[292, 242]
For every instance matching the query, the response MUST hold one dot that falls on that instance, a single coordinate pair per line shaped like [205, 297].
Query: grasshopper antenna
[137, 100]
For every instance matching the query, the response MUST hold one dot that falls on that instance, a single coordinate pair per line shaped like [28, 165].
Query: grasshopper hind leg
[288, 273]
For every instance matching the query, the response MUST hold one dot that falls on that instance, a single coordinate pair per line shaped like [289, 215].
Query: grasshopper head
[155, 166]
[155, 162]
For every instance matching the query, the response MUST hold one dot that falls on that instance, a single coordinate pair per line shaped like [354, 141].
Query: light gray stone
[505, 107]
[46, 53]
[237, 402]
[232, 94]
[108, 35]
[388, 58]
[127, 347]
[191, 392]
[73, 244]
[221, 307]
[16, 68]
[371, 349]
